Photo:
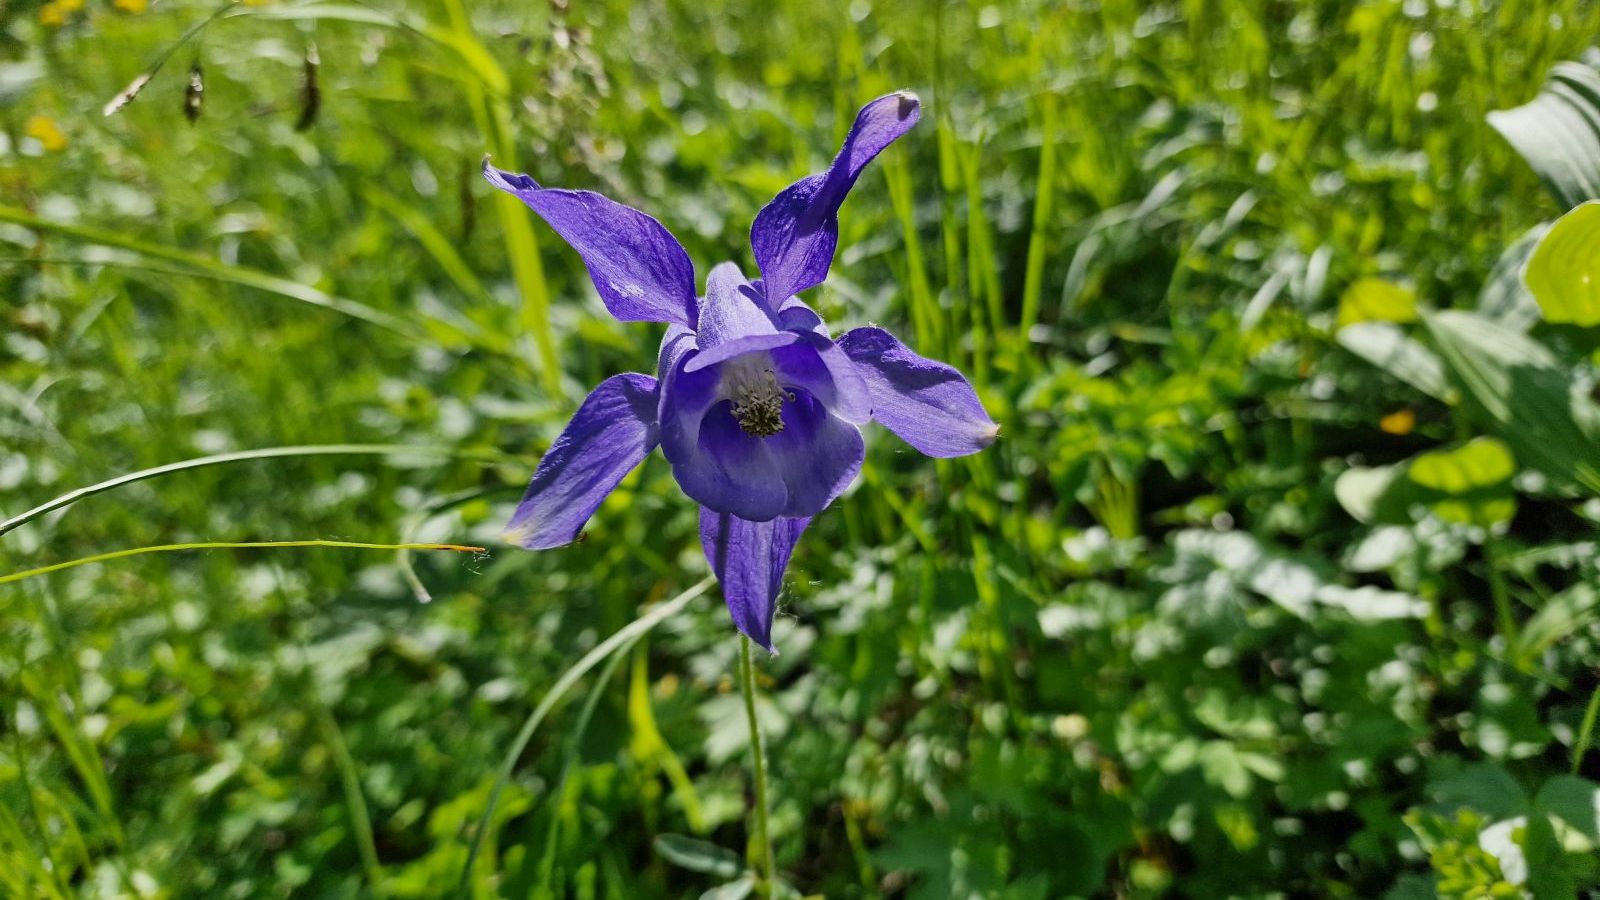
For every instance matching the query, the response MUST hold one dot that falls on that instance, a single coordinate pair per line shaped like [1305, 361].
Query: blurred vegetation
[1281, 581]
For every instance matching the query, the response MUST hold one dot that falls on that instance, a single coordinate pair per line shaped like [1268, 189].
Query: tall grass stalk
[493, 119]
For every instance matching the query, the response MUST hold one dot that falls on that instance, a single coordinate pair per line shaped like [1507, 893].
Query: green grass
[1125, 652]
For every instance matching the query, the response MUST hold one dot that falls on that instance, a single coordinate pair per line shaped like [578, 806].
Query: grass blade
[225, 545]
[626, 635]
[194, 264]
[355, 802]
[72, 497]
[547, 862]
[522, 247]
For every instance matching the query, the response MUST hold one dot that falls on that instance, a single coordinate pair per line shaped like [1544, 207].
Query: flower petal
[816, 454]
[819, 366]
[685, 396]
[740, 346]
[796, 472]
[728, 470]
[674, 344]
[795, 315]
[930, 405]
[732, 309]
[610, 434]
[795, 235]
[641, 271]
[749, 559]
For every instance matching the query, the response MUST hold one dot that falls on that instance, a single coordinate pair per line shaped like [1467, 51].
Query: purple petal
[817, 454]
[795, 315]
[819, 366]
[796, 472]
[610, 434]
[674, 344]
[732, 309]
[749, 559]
[930, 405]
[686, 397]
[740, 346]
[728, 470]
[639, 268]
[795, 235]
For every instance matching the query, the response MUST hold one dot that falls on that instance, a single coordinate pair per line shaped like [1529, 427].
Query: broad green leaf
[1475, 479]
[1530, 398]
[1549, 877]
[1564, 272]
[1468, 468]
[1573, 800]
[1384, 345]
[1557, 133]
[1220, 766]
[1369, 494]
[1376, 300]
[1484, 787]
[698, 856]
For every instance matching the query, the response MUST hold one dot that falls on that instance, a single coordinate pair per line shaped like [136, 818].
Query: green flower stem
[747, 675]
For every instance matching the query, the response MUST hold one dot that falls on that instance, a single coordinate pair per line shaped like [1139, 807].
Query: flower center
[757, 400]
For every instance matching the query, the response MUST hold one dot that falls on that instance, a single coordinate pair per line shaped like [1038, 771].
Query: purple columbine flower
[757, 409]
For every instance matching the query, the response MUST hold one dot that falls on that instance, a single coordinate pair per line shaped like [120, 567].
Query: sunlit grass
[1143, 646]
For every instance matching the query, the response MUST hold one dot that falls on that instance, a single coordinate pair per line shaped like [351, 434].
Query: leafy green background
[1280, 582]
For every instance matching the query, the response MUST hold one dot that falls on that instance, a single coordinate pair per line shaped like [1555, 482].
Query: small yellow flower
[52, 15]
[132, 7]
[45, 130]
[69, 5]
[1401, 421]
